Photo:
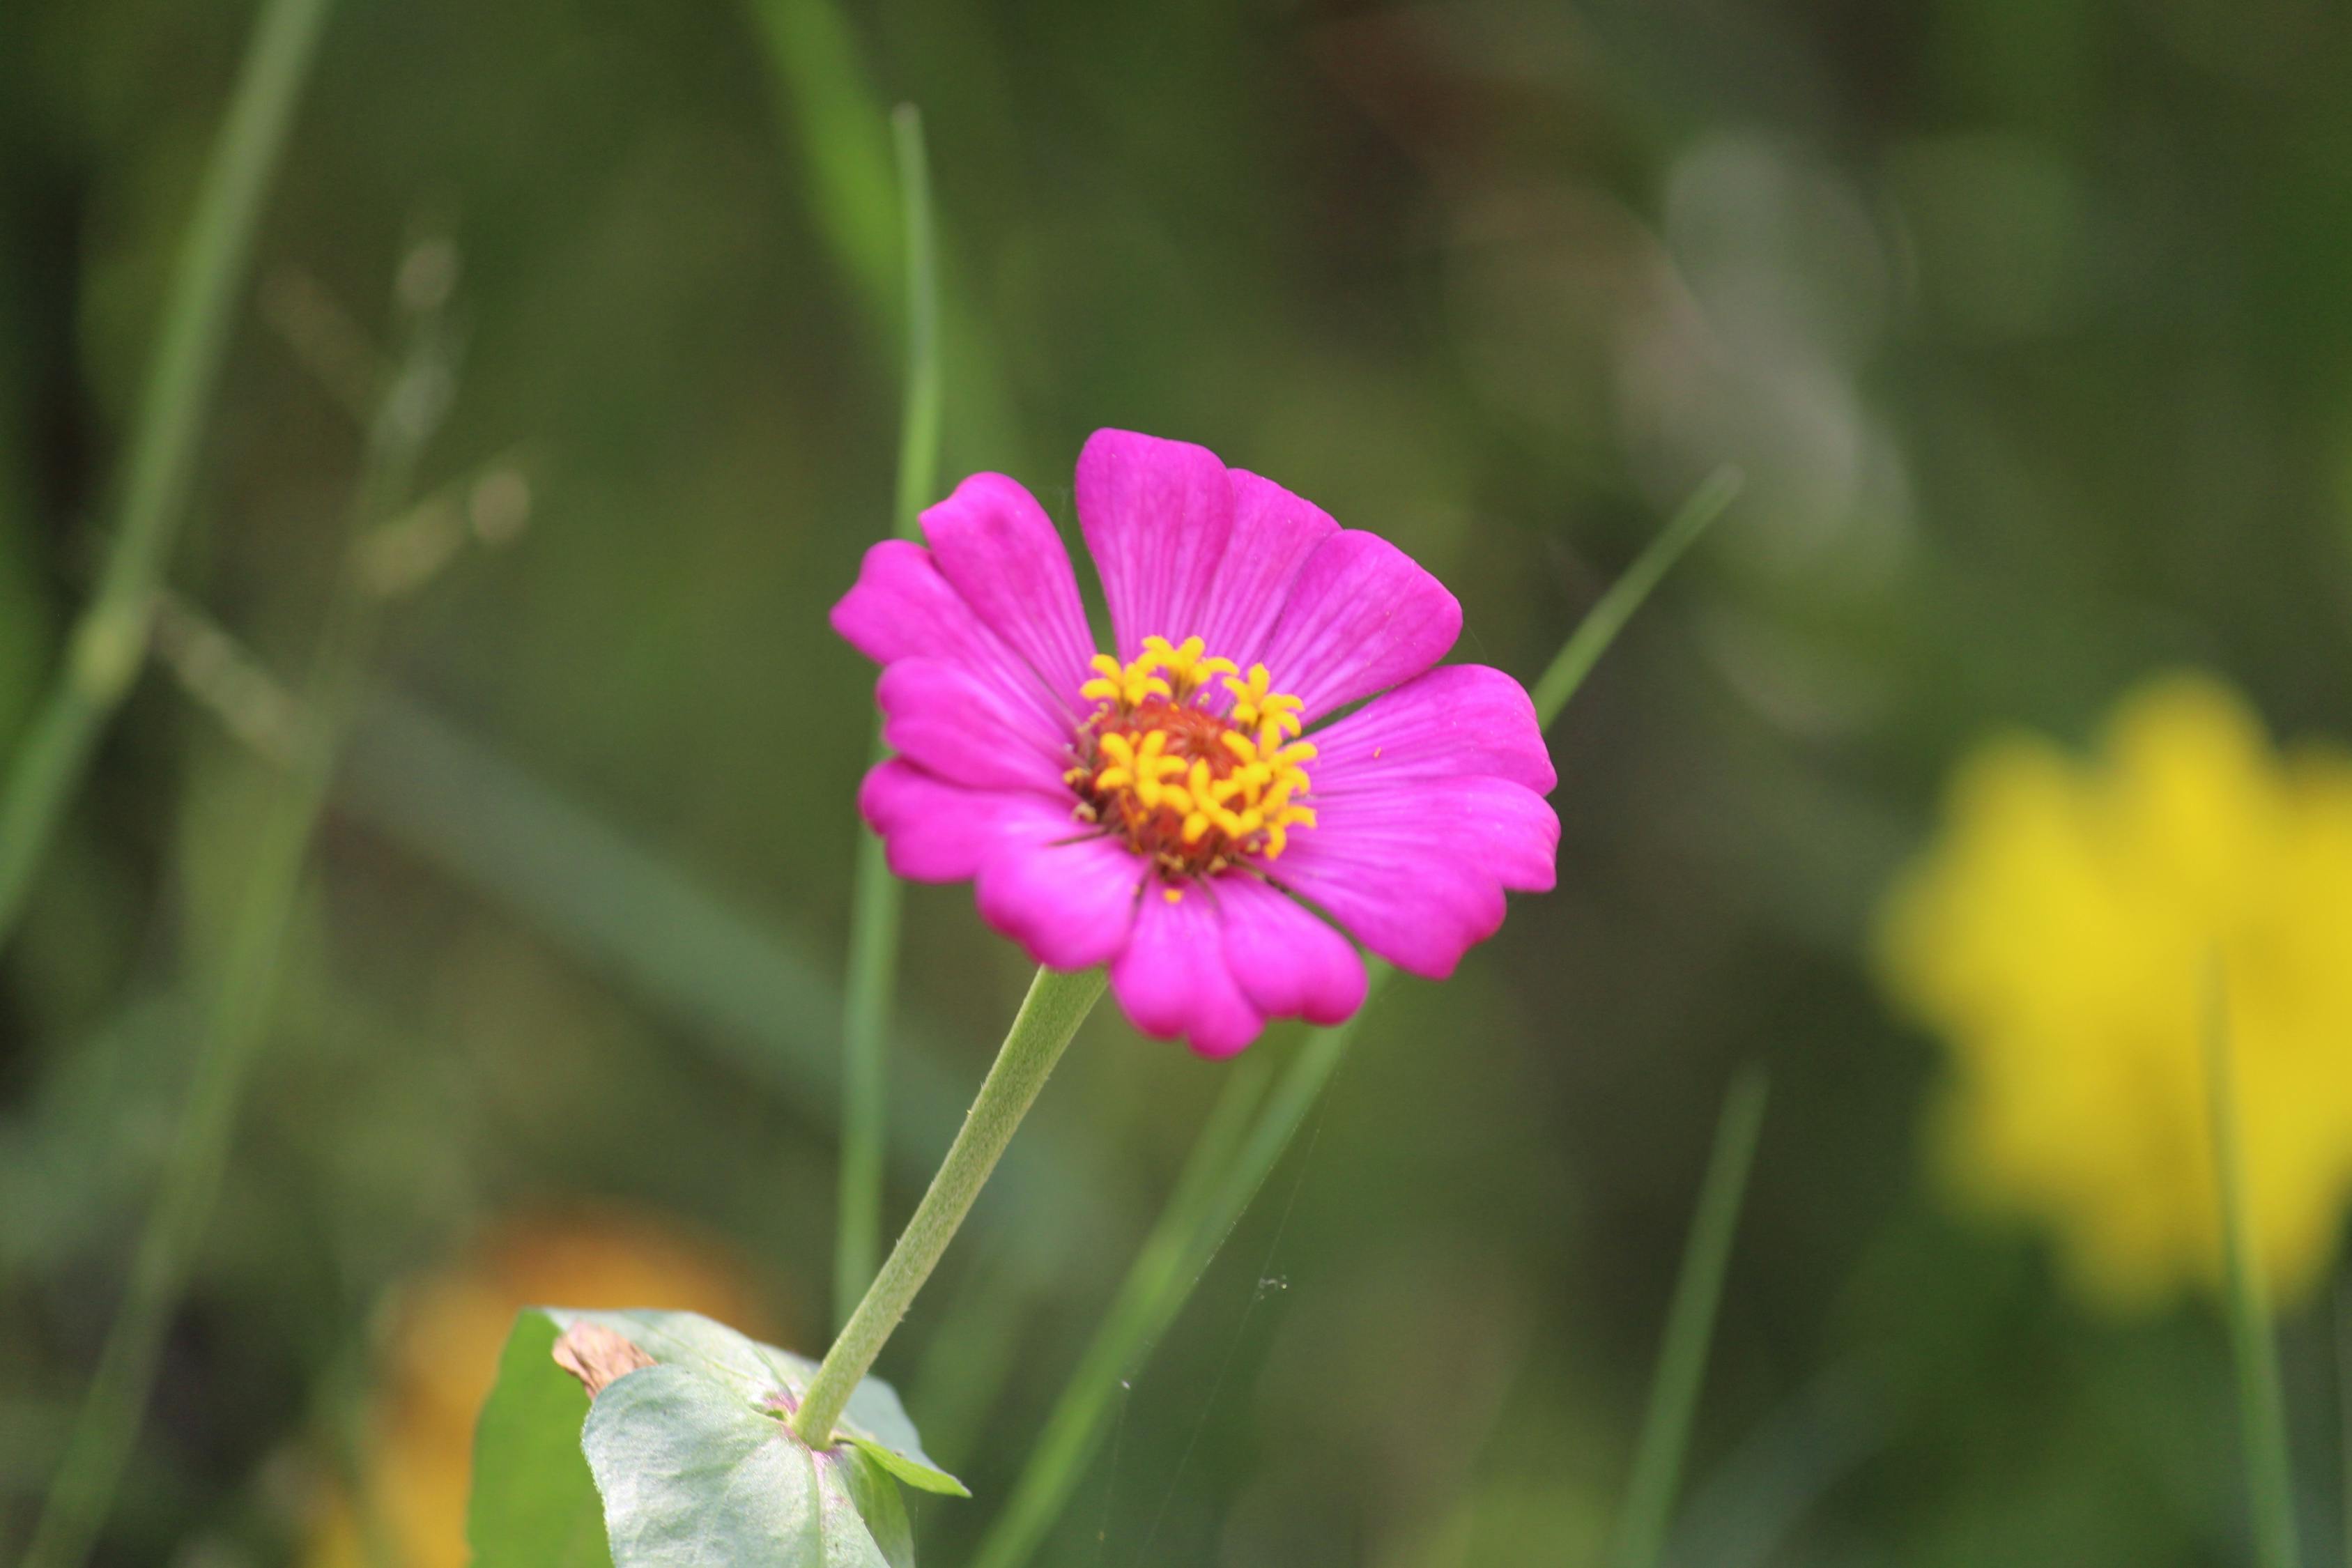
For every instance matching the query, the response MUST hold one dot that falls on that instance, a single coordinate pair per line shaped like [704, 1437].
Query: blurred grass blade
[1192, 1228]
[1607, 618]
[833, 118]
[838, 121]
[875, 894]
[1690, 1329]
[1163, 1276]
[236, 1022]
[1746, 1514]
[108, 643]
[2343, 1404]
[918, 427]
[745, 992]
[2261, 1406]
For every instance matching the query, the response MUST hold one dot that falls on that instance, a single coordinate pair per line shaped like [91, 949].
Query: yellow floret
[2057, 935]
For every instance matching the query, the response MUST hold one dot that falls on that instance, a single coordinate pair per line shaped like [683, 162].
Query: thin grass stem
[1664, 1439]
[2344, 1408]
[874, 895]
[1602, 624]
[110, 642]
[1145, 1306]
[1192, 1233]
[236, 1022]
[2262, 1405]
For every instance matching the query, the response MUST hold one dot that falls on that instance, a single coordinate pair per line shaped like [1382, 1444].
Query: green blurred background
[2027, 319]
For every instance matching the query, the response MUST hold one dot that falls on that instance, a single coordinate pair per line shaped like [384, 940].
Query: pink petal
[1274, 532]
[901, 607]
[1418, 873]
[1361, 616]
[1457, 719]
[1070, 901]
[1172, 978]
[1156, 515]
[932, 830]
[996, 545]
[1288, 963]
[1067, 899]
[942, 718]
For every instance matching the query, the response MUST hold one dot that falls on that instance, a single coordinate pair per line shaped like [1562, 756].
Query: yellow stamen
[1194, 789]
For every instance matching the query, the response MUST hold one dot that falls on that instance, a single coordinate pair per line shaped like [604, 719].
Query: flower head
[1185, 807]
[2059, 935]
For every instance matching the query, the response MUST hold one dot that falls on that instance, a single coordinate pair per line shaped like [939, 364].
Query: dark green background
[2029, 320]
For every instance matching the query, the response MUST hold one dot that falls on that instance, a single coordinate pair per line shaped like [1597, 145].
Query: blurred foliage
[2025, 321]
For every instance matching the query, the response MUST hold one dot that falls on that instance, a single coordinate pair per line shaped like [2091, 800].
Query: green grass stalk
[1056, 1004]
[1664, 1439]
[1191, 1228]
[875, 893]
[108, 643]
[1607, 617]
[2344, 1408]
[236, 1022]
[2261, 1406]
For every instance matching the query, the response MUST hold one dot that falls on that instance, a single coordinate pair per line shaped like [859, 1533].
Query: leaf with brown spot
[597, 1356]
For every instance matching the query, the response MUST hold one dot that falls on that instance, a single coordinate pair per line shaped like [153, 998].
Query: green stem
[1690, 1329]
[236, 1024]
[2344, 1408]
[1191, 1231]
[1049, 1015]
[875, 893]
[918, 427]
[110, 642]
[2262, 1407]
[1608, 617]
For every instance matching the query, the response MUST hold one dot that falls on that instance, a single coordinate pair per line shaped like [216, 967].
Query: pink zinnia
[1173, 812]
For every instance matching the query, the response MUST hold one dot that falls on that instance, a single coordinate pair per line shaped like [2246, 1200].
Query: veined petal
[1068, 900]
[933, 831]
[1420, 881]
[1172, 980]
[942, 718]
[1361, 616]
[1287, 961]
[1274, 532]
[1456, 719]
[1156, 515]
[903, 607]
[996, 545]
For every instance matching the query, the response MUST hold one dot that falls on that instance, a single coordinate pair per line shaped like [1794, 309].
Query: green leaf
[693, 1476]
[534, 1503]
[875, 1421]
[878, 1425]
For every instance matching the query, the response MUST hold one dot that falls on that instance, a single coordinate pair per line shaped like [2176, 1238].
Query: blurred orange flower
[448, 1329]
[2057, 935]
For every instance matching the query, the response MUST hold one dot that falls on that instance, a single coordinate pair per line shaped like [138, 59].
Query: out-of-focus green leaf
[534, 1503]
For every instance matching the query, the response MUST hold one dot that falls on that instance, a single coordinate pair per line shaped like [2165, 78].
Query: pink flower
[1181, 811]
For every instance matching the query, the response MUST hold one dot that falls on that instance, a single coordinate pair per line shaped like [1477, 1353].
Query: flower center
[1192, 787]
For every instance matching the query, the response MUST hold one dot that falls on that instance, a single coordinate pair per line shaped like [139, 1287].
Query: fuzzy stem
[1049, 1015]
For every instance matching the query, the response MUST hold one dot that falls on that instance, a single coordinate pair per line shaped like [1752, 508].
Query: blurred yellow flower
[2057, 936]
[446, 1334]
